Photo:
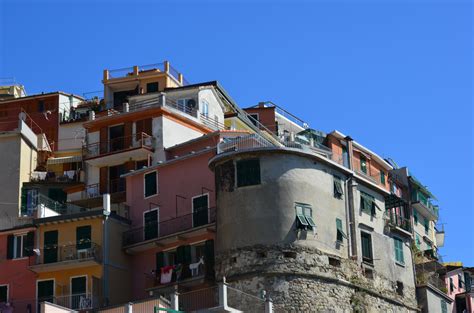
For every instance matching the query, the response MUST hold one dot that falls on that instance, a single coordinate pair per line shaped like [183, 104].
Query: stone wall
[302, 279]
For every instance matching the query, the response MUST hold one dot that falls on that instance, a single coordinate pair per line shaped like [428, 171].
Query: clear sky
[395, 75]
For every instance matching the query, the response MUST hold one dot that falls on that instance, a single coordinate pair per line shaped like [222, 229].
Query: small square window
[340, 231]
[382, 177]
[304, 216]
[151, 184]
[248, 172]
[152, 87]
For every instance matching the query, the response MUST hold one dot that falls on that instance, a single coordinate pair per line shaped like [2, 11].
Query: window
[254, 118]
[415, 217]
[83, 237]
[363, 164]
[200, 210]
[460, 282]
[340, 230]
[338, 191]
[41, 106]
[150, 224]
[78, 291]
[151, 184]
[398, 243]
[467, 281]
[152, 87]
[366, 240]
[382, 177]
[444, 306]
[304, 216]
[3, 293]
[451, 284]
[400, 288]
[345, 157]
[248, 172]
[367, 203]
[205, 108]
[19, 246]
[426, 223]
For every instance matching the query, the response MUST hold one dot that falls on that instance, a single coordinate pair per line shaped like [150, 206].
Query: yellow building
[77, 265]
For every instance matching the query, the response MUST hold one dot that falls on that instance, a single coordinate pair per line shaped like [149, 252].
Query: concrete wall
[430, 301]
[268, 209]
[215, 108]
[174, 133]
[70, 136]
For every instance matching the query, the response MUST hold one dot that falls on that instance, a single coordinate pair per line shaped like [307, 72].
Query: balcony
[398, 223]
[79, 301]
[66, 257]
[56, 177]
[423, 204]
[119, 150]
[165, 232]
[146, 70]
[39, 206]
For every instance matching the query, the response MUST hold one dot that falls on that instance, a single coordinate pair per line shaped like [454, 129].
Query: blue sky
[395, 75]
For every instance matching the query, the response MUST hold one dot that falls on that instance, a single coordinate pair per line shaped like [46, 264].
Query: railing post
[268, 305]
[167, 66]
[163, 99]
[175, 300]
[129, 307]
[223, 293]
[135, 70]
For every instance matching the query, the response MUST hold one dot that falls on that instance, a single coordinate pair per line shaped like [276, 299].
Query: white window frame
[15, 244]
[144, 185]
[8, 290]
[205, 108]
[157, 220]
[192, 206]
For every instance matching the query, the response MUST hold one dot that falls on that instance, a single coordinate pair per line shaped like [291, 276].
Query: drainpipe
[350, 203]
[105, 248]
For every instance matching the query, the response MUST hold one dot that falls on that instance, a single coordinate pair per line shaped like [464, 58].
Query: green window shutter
[24, 210]
[366, 247]
[83, 237]
[467, 281]
[340, 230]
[398, 244]
[338, 191]
[301, 220]
[151, 187]
[29, 244]
[444, 306]
[10, 246]
[367, 203]
[427, 225]
[417, 241]
[248, 172]
[382, 177]
[415, 217]
[160, 261]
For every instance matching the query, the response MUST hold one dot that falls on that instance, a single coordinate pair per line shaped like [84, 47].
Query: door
[151, 224]
[3, 293]
[200, 208]
[50, 246]
[116, 138]
[78, 293]
[45, 292]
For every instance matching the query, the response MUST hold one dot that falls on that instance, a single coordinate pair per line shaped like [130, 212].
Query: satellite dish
[192, 103]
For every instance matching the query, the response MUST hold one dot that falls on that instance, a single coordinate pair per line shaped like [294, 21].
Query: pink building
[460, 287]
[172, 209]
[17, 282]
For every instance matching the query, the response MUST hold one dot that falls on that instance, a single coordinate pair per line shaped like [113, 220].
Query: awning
[62, 160]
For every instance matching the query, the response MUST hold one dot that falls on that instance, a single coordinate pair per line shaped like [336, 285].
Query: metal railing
[62, 253]
[199, 299]
[140, 140]
[40, 203]
[121, 72]
[180, 274]
[397, 220]
[418, 196]
[245, 302]
[129, 71]
[159, 229]
[78, 301]
[246, 142]
[55, 177]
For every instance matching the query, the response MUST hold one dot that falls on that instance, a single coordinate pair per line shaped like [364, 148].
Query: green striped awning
[62, 160]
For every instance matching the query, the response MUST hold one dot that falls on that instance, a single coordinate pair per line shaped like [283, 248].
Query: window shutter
[338, 192]
[209, 258]
[415, 217]
[29, 245]
[160, 261]
[24, 210]
[103, 140]
[10, 246]
[103, 179]
[467, 282]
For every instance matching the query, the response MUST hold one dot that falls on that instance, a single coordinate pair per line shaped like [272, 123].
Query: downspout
[105, 249]
[351, 207]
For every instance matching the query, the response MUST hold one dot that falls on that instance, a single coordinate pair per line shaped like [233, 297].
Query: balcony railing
[157, 230]
[37, 205]
[116, 145]
[56, 177]
[114, 186]
[418, 196]
[399, 221]
[76, 252]
[78, 301]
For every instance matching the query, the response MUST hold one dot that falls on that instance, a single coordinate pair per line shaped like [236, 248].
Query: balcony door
[50, 246]
[116, 138]
[150, 220]
[79, 296]
[83, 237]
[116, 184]
[45, 292]
[200, 210]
